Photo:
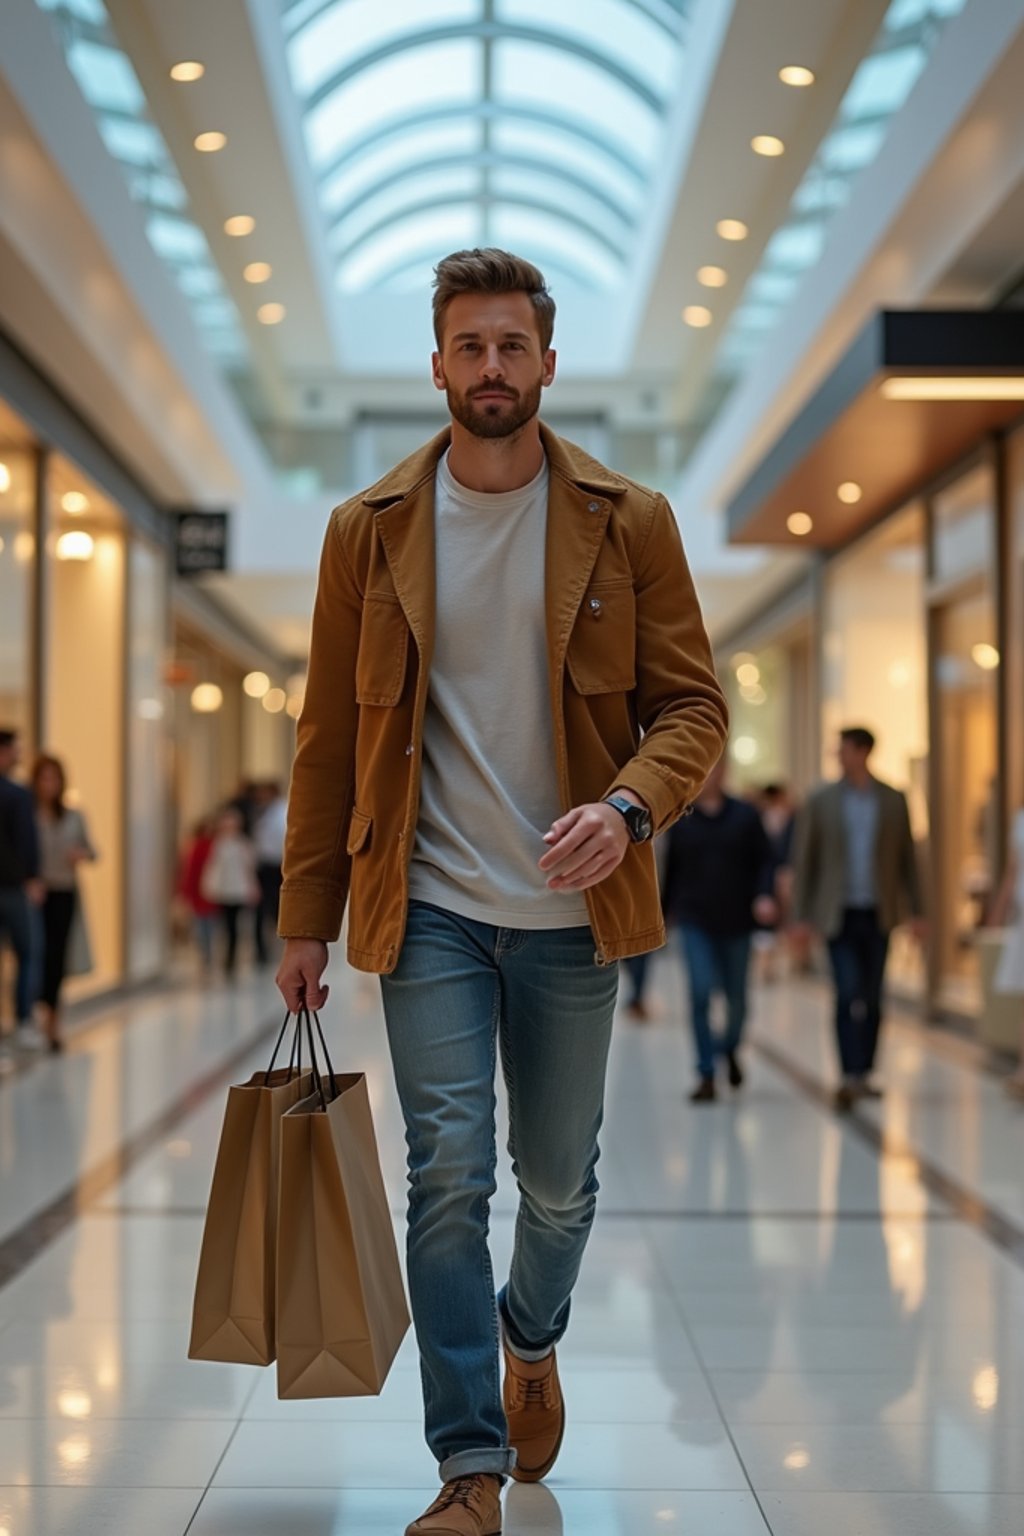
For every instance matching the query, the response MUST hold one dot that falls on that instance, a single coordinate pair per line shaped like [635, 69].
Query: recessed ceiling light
[767, 144]
[257, 271]
[74, 502]
[75, 546]
[209, 143]
[796, 74]
[270, 314]
[274, 700]
[239, 224]
[697, 315]
[849, 492]
[732, 229]
[799, 523]
[985, 656]
[188, 69]
[1002, 387]
[207, 698]
[712, 277]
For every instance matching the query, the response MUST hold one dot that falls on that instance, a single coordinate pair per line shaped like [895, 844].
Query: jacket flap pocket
[601, 657]
[358, 831]
[383, 651]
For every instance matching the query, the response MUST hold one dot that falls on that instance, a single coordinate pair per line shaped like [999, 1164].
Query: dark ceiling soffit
[920, 341]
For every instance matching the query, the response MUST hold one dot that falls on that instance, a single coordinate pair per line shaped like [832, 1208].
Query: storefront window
[148, 831]
[874, 673]
[84, 694]
[18, 470]
[755, 686]
[966, 665]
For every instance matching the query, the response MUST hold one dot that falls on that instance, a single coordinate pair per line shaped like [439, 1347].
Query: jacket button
[593, 506]
[410, 749]
[595, 607]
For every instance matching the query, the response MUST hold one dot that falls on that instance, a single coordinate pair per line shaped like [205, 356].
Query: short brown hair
[39, 767]
[492, 271]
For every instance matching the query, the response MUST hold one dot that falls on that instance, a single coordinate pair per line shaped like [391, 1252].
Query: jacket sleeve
[316, 866]
[680, 705]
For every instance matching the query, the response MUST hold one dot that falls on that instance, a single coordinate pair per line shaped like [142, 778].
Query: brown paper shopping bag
[341, 1308]
[233, 1311]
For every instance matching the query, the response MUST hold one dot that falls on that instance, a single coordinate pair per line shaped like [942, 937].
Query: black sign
[201, 543]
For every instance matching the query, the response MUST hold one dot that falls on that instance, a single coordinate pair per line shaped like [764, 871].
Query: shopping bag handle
[296, 1044]
[309, 1018]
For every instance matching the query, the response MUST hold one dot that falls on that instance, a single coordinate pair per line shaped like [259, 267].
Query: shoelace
[534, 1393]
[466, 1491]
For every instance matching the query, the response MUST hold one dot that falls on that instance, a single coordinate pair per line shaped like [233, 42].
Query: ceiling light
[849, 492]
[985, 656]
[24, 546]
[767, 144]
[188, 69]
[274, 701]
[796, 74]
[697, 315]
[712, 277]
[74, 502]
[799, 523]
[207, 698]
[209, 143]
[239, 224]
[745, 750]
[75, 546]
[748, 674]
[5, 478]
[257, 271]
[294, 705]
[732, 229]
[255, 684]
[1002, 387]
[270, 314]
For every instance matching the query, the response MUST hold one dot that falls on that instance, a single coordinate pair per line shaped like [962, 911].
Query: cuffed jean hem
[492, 1459]
[531, 1356]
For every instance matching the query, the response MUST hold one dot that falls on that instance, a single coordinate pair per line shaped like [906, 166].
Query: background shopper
[21, 890]
[64, 844]
[202, 913]
[717, 886]
[856, 878]
[229, 879]
[268, 840]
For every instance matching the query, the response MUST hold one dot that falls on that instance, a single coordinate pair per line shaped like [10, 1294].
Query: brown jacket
[819, 861]
[627, 652]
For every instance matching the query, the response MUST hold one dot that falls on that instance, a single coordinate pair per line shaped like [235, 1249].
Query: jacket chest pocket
[383, 652]
[601, 657]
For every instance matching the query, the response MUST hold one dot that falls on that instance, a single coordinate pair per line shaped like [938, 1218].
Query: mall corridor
[786, 1322]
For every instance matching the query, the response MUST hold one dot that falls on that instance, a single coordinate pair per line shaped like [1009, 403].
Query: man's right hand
[298, 975]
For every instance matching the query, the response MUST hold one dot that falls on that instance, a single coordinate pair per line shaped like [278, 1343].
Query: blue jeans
[460, 990]
[21, 923]
[858, 955]
[715, 963]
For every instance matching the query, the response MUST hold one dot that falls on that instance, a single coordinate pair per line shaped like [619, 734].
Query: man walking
[856, 879]
[718, 884]
[21, 889]
[497, 621]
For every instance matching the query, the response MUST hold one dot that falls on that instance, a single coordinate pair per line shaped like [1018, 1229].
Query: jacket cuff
[652, 784]
[310, 911]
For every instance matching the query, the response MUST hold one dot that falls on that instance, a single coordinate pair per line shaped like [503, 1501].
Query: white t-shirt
[489, 786]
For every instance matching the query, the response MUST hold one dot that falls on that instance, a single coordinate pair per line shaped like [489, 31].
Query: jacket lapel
[404, 516]
[578, 513]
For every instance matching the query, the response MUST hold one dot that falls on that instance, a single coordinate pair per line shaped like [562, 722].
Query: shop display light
[274, 701]
[5, 478]
[24, 546]
[255, 684]
[985, 656]
[207, 698]
[294, 705]
[1001, 387]
[74, 502]
[748, 674]
[78, 545]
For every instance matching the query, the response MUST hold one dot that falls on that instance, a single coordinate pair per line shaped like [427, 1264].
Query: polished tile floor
[785, 1323]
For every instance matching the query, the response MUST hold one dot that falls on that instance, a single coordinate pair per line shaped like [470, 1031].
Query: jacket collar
[564, 459]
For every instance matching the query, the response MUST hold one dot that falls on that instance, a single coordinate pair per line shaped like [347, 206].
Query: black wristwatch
[639, 823]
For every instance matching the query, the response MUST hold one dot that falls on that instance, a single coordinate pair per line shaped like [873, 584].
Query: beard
[493, 420]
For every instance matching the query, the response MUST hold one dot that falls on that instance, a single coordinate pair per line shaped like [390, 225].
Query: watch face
[641, 824]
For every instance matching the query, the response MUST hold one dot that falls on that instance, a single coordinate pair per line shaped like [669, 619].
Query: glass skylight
[529, 123]
[878, 90]
[111, 87]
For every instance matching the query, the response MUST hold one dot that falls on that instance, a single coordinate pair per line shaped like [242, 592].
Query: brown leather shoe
[467, 1506]
[536, 1414]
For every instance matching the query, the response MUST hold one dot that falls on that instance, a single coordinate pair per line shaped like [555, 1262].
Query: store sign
[201, 542]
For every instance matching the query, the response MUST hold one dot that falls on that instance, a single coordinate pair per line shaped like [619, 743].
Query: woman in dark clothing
[64, 844]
